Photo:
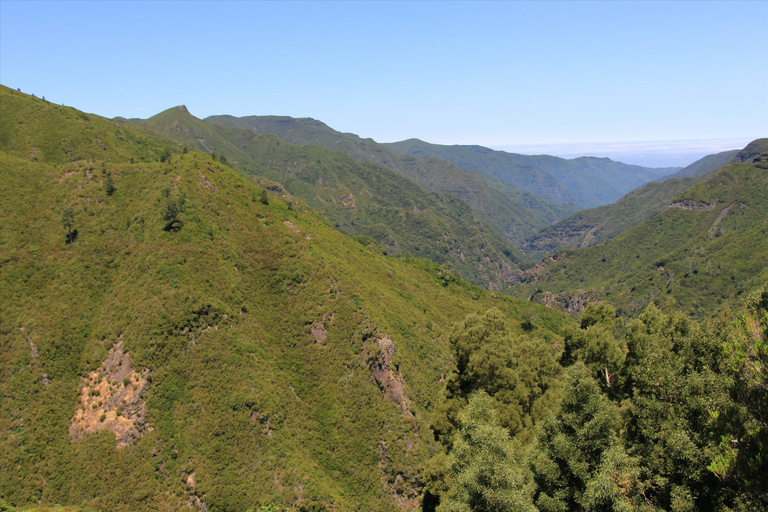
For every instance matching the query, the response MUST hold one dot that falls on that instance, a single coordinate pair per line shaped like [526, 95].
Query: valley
[265, 314]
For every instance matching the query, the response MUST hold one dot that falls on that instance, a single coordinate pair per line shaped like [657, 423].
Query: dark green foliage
[264, 199]
[170, 215]
[594, 344]
[511, 211]
[518, 372]
[109, 184]
[680, 427]
[68, 220]
[704, 253]
[745, 440]
[585, 181]
[366, 199]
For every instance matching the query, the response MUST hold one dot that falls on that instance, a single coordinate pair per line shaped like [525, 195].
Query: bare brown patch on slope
[110, 399]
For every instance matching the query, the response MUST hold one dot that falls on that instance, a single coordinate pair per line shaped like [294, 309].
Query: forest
[179, 330]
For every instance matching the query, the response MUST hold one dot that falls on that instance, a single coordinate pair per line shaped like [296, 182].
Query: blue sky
[499, 74]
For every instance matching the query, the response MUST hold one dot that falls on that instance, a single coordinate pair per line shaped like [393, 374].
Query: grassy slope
[706, 165]
[220, 313]
[596, 225]
[703, 259]
[585, 181]
[360, 198]
[505, 212]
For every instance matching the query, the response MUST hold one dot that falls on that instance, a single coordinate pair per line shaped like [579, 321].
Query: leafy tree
[109, 184]
[520, 373]
[595, 344]
[171, 215]
[483, 476]
[581, 464]
[673, 389]
[166, 156]
[264, 198]
[745, 442]
[68, 219]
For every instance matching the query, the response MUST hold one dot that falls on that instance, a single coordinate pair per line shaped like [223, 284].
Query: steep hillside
[596, 225]
[512, 213]
[360, 199]
[585, 181]
[705, 165]
[704, 251]
[169, 341]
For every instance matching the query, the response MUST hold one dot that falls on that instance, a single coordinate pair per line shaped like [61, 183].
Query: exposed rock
[568, 302]
[110, 399]
[204, 183]
[319, 332]
[292, 226]
[379, 355]
[690, 204]
[348, 201]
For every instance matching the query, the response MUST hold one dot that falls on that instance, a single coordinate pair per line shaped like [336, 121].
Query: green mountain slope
[360, 199]
[703, 252]
[705, 165]
[596, 225]
[170, 342]
[585, 181]
[510, 212]
[591, 227]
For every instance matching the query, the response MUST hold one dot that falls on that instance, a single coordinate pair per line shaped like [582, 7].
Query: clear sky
[500, 74]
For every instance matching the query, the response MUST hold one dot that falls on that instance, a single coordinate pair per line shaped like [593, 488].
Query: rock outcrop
[110, 399]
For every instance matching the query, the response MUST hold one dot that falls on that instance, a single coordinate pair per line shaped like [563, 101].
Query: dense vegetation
[510, 210]
[586, 181]
[596, 225]
[360, 199]
[706, 251]
[176, 334]
[663, 413]
[271, 358]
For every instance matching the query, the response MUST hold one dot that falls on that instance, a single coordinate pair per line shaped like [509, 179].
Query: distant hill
[703, 252]
[360, 199]
[169, 341]
[591, 227]
[585, 181]
[705, 165]
[514, 213]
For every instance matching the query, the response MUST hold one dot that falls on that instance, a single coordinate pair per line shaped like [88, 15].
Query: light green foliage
[483, 475]
[253, 331]
[704, 254]
[581, 464]
[746, 441]
[594, 343]
[518, 372]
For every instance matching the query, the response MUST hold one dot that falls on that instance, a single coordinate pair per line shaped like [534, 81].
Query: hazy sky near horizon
[500, 74]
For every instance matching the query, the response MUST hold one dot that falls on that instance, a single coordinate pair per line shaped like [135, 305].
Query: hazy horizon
[671, 153]
[446, 72]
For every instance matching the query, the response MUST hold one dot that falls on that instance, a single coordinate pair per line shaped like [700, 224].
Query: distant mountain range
[359, 198]
[593, 226]
[705, 249]
[585, 181]
[510, 210]
[185, 325]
